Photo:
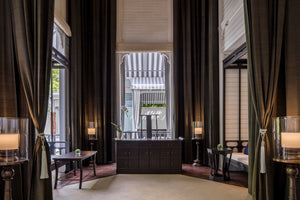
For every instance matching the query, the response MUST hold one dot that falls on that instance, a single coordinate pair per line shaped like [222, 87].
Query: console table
[148, 156]
[72, 156]
[214, 156]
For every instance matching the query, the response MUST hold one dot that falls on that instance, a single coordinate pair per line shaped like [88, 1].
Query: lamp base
[7, 175]
[197, 162]
[292, 172]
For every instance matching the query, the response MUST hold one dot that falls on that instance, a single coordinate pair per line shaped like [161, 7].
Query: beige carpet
[151, 187]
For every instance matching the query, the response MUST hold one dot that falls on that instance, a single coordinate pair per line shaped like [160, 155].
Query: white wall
[60, 16]
[144, 25]
[232, 25]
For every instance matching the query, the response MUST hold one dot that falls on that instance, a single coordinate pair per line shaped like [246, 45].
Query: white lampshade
[91, 131]
[198, 131]
[286, 132]
[290, 140]
[9, 141]
[13, 139]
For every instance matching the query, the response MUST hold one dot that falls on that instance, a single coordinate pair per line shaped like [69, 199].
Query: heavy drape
[12, 99]
[93, 25]
[196, 70]
[32, 22]
[265, 21]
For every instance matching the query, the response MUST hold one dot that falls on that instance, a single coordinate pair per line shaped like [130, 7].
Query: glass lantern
[286, 132]
[13, 139]
[92, 131]
[197, 130]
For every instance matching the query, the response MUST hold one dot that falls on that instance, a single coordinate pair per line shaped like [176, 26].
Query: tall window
[57, 124]
[236, 107]
[145, 92]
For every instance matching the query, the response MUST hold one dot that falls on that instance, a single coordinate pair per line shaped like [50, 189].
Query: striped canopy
[148, 83]
[151, 64]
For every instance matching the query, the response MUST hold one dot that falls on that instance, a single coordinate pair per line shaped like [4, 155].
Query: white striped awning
[148, 83]
[151, 64]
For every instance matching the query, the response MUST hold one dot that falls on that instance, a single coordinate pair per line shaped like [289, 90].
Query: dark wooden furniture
[214, 158]
[72, 157]
[148, 156]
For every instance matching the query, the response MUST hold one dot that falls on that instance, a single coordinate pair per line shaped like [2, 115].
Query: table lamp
[9, 145]
[198, 130]
[286, 133]
[92, 133]
[13, 149]
[197, 135]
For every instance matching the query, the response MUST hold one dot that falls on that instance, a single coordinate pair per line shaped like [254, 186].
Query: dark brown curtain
[196, 70]
[32, 22]
[12, 98]
[265, 23]
[93, 84]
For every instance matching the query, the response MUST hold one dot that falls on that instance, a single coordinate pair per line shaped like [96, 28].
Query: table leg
[94, 165]
[56, 174]
[75, 167]
[224, 167]
[216, 164]
[80, 165]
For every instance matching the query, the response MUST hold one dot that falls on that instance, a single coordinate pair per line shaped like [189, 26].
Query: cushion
[246, 150]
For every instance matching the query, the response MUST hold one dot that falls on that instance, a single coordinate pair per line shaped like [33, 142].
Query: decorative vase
[119, 135]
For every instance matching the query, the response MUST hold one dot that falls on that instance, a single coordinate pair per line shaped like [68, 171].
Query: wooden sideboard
[148, 156]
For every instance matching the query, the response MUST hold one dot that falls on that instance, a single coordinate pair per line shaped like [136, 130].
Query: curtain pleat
[93, 83]
[12, 98]
[196, 70]
[265, 23]
[32, 22]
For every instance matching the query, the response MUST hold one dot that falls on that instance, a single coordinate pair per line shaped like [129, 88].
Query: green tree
[55, 79]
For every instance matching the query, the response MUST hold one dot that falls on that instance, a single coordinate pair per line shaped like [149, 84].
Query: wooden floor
[237, 178]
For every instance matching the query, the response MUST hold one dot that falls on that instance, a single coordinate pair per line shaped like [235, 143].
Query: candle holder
[92, 134]
[197, 136]
[13, 149]
[286, 133]
[197, 130]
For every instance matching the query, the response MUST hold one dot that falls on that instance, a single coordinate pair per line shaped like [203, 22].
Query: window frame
[59, 61]
[234, 61]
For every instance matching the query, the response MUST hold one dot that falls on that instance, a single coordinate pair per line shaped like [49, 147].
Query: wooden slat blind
[231, 104]
[236, 105]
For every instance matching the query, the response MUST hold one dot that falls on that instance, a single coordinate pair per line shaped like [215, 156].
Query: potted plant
[117, 126]
[77, 152]
[119, 130]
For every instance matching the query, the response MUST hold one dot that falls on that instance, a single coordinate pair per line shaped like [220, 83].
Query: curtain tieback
[44, 164]
[263, 133]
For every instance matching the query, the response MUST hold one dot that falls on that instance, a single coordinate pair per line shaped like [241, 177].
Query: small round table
[7, 174]
[213, 155]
